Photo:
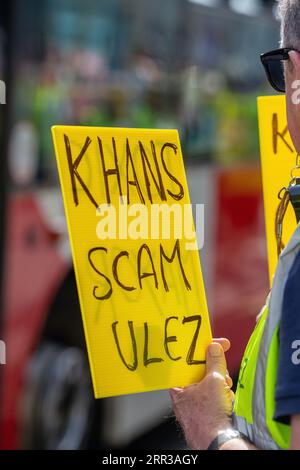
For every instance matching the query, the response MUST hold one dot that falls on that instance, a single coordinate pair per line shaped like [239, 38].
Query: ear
[295, 64]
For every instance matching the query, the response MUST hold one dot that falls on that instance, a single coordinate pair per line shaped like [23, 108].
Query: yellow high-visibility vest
[254, 406]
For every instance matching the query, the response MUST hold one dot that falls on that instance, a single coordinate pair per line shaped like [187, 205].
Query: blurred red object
[33, 272]
[240, 279]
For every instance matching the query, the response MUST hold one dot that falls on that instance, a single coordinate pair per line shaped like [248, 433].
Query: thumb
[215, 360]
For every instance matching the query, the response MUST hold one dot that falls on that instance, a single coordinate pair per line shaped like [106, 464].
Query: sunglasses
[272, 62]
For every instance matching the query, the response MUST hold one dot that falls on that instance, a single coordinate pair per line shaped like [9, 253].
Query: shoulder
[295, 268]
[290, 319]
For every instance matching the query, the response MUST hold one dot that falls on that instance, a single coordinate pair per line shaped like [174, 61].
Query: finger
[230, 400]
[231, 397]
[215, 359]
[224, 342]
[229, 381]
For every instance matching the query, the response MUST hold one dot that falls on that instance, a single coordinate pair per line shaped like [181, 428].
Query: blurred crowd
[134, 63]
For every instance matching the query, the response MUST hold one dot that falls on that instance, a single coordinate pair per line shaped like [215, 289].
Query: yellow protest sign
[137, 267]
[278, 157]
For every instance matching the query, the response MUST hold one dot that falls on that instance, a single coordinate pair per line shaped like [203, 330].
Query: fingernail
[175, 390]
[215, 350]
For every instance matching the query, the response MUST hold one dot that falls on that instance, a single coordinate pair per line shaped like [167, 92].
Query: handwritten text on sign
[141, 291]
[278, 157]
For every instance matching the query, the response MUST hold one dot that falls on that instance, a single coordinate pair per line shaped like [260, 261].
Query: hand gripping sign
[138, 277]
[278, 159]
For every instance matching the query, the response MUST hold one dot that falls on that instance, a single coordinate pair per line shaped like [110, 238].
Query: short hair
[289, 15]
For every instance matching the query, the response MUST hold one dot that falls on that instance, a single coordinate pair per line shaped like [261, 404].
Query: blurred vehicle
[138, 64]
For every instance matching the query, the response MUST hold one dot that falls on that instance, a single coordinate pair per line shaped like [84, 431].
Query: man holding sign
[267, 403]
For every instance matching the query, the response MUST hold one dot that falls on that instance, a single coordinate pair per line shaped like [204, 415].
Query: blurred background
[187, 64]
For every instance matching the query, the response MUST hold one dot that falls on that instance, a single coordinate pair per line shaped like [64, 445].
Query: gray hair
[289, 15]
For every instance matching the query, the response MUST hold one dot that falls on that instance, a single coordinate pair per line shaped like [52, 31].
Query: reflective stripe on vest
[255, 397]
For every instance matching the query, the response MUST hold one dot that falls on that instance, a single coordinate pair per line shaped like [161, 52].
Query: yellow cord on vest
[280, 213]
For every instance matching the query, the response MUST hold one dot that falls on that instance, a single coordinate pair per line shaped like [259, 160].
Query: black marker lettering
[131, 367]
[143, 275]
[115, 271]
[109, 292]
[277, 134]
[158, 182]
[110, 171]
[133, 182]
[73, 169]
[147, 360]
[190, 355]
[170, 260]
[180, 193]
[170, 339]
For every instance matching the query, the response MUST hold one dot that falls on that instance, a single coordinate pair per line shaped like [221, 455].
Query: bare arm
[295, 441]
[204, 409]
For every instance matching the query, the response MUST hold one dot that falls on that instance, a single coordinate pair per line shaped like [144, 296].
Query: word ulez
[149, 358]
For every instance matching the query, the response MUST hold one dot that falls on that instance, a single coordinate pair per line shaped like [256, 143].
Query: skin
[292, 74]
[204, 409]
